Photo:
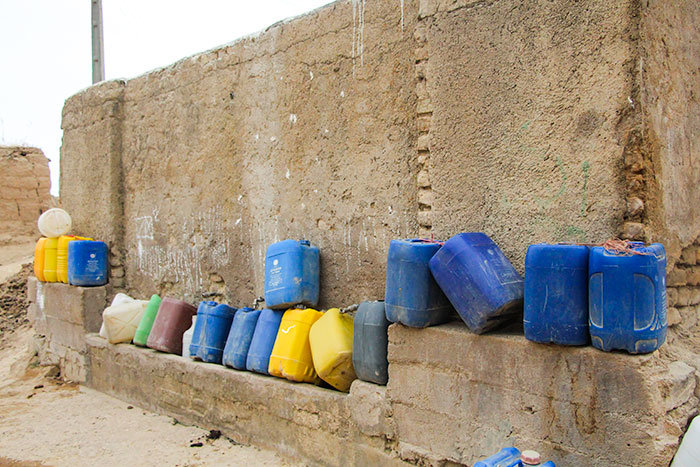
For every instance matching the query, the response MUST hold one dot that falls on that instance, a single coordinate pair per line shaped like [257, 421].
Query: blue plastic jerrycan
[197, 331]
[292, 269]
[263, 340]
[87, 263]
[216, 323]
[239, 338]
[627, 298]
[369, 342]
[412, 296]
[506, 457]
[480, 282]
[556, 294]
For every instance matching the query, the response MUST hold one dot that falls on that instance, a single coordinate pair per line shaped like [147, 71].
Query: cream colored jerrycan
[117, 300]
[122, 320]
[688, 454]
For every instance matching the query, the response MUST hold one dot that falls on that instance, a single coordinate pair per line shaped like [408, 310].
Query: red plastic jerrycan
[173, 319]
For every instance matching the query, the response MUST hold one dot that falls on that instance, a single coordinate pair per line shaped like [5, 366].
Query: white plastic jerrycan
[688, 454]
[122, 320]
[117, 300]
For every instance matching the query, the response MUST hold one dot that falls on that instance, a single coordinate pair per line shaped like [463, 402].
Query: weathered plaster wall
[24, 178]
[670, 79]
[526, 103]
[305, 130]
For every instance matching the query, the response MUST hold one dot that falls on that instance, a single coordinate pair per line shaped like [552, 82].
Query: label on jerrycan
[275, 274]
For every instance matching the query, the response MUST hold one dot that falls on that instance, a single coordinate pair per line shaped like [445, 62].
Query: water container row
[576, 294]
[572, 294]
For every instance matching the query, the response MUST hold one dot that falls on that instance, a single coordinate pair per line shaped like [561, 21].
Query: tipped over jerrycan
[627, 298]
[480, 282]
[121, 320]
[413, 298]
[174, 317]
[39, 259]
[369, 343]
[146, 323]
[263, 341]
[291, 355]
[240, 337]
[291, 274]
[215, 326]
[330, 339]
[556, 294]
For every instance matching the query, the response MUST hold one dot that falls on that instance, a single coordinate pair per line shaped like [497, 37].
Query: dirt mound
[13, 301]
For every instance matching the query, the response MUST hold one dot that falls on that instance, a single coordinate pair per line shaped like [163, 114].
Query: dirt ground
[44, 421]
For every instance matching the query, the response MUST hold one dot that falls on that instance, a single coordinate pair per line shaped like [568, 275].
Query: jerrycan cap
[304, 242]
[530, 457]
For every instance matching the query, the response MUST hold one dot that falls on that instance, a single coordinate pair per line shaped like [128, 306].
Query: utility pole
[98, 64]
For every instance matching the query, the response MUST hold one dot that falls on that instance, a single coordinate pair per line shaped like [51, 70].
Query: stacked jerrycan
[292, 270]
[627, 298]
[330, 339]
[479, 281]
[556, 294]
[291, 274]
[413, 298]
[87, 263]
[369, 343]
[174, 317]
[52, 224]
[146, 323]
[263, 340]
[212, 328]
[291, 354]
[62, 256]
[122, 317]
[241, 336]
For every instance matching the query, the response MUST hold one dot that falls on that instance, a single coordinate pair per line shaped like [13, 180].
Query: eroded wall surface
[25, 182]
[304, 131]
[527, 99]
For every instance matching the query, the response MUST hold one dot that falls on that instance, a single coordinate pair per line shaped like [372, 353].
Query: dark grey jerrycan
[369, 342]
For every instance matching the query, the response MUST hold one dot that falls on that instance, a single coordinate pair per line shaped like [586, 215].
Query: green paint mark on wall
[584, 197]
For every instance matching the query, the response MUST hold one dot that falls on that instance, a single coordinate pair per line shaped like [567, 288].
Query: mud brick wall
[24, 178]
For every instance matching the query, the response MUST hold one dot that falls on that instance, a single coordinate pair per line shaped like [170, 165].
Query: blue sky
[45, 52]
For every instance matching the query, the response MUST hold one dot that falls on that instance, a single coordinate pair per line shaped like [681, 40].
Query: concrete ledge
[299, 421]
[460, 397]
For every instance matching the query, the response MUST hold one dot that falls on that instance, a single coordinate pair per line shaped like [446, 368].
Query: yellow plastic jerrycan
[291, 354]
[50, 247]
[39, 259]
[62, 256]
[331, 348]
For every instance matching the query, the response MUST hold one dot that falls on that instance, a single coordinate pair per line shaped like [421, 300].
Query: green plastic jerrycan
[146, 322]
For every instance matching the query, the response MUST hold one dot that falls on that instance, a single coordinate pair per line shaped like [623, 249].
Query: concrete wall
[24, 178]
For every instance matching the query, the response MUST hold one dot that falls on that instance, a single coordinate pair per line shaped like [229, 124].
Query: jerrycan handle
[304, 242]
[349, 309]
[257, 302]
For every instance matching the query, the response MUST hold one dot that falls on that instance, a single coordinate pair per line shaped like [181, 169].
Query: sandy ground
[44, 421]
[13, 256]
